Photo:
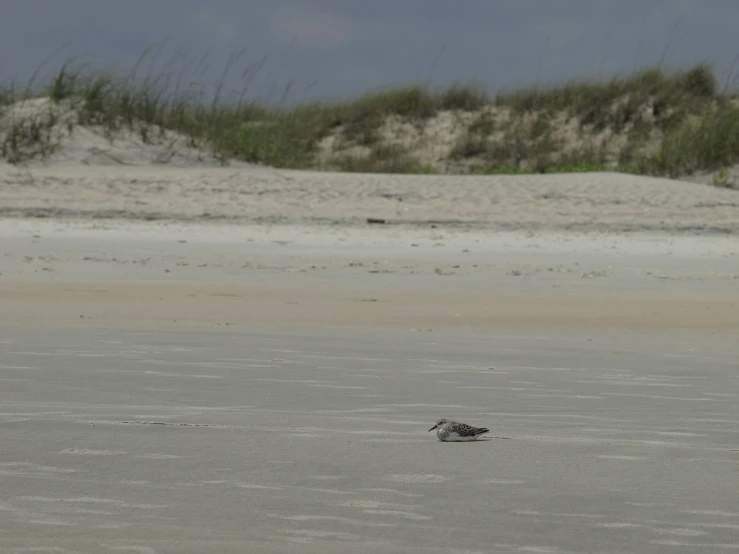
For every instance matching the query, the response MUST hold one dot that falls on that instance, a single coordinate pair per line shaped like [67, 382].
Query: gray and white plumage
[453, 431]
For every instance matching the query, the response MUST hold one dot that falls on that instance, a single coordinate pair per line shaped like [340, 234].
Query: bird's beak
[434, 427]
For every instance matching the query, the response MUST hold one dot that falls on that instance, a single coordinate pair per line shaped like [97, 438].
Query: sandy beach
[232, 360]
[245, 193]
[57, 271]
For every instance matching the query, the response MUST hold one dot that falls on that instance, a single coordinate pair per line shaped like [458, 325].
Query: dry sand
[258, 384]
[588, 201]
[124, 272]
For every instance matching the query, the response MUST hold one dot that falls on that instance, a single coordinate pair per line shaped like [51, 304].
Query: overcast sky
[338, 48]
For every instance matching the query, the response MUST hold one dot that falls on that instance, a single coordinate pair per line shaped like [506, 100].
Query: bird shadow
[483, 439]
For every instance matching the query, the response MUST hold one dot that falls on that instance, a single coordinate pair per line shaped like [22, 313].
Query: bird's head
[439, 423]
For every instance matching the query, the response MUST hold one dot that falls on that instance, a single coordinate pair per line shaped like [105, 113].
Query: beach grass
[651, 122]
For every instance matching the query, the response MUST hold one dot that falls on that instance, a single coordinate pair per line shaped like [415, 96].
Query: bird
[452, 431]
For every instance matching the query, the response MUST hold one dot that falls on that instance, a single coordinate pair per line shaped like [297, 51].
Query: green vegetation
[651, 122]
[621, 101]
[383, 158]
[721, 179]
[568, 167]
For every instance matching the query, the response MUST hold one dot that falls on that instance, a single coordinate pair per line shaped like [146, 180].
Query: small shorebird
[452, 431]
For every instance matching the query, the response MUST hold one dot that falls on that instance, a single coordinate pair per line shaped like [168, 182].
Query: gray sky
[339, 48]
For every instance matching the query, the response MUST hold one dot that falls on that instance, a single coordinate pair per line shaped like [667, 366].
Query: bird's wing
[465, 430]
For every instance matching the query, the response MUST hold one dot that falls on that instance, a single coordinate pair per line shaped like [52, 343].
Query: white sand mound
[584, 201]
[48, 133]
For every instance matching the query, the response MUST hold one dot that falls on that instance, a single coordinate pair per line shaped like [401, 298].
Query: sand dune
[92, 171]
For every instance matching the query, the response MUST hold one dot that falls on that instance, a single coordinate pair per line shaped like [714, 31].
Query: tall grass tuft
[703, 143]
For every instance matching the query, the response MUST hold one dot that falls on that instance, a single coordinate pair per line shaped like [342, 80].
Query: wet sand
[229, 388]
